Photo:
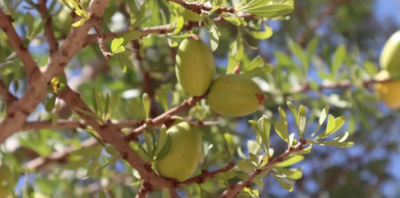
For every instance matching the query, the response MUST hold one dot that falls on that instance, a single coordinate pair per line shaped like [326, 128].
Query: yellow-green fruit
[184, 155]
[190, 15]
[235, 95]
[388, 92]
[195, 67]
[390, 56]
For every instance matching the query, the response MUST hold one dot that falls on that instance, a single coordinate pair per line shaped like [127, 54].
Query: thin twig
[100, 40]
[48, 27]
[207, 175]
[197, 7]
[235, 188]
[164, 118]
[163, 29]
[74, 124]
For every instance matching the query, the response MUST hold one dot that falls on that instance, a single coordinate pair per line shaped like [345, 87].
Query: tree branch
[239, 186]
[100, 40]
[6, 94]
[38, 82]
[163, 118]
[74, 124]
[197, 7]
[110, 134]
[144, 190]
[163, 29]
[16, 42]
[48, 27]
[206, 175]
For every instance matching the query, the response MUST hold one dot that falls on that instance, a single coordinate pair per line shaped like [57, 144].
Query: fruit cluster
[389, 92]
[231, 95]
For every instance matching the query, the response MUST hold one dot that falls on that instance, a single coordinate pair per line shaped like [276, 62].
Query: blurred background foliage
[323, 31]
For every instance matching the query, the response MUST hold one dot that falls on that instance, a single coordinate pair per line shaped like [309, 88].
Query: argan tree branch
[197, 7]
[48, 27]
[100, 40]
[144, 190]
[237, 187]
[207, 175]
[6, 94]
[163, 118]
[38, 82]
[111, 134]
[163, 29]
[74, 124]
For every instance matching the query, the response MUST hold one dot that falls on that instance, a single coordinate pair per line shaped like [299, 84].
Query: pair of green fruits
[231, 95]
[389, 92]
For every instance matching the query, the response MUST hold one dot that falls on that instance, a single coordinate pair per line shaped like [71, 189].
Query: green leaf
[162, 137]
[370, 67]
[284, 184]
[130, 36]
[143, 154]
[111, 150]
[165, 193]
[116, 45]
[146, 104]
[231, 143]
[326, 76]
[322, 118]
[288, 173]
[302, 120]
[244, 166]
[214, 33]
[255, 63]
[311, 48]
[29, 22]
[37, 29]
[264, 127]
[77, 164]
[333, 126]
[165, 149]
[93, 166]
[283, 59]
[150, 142]
[260, 35]
[88, 151]
[281, 130]
[124, 62]
[259, 71]
[107, 104]
[290, 161]
[233, 20]
[340, 55]
[297, 50]
[180, 21]
[305, 150]
[260, 8]
[254, 159]
[236, 51]
[335, 143]
[50, 103]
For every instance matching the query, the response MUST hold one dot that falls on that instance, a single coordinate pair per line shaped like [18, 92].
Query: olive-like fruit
[235, 95]
[388, 92]
[195, 66]
[390, 56]
[190, 15]
[184, 155]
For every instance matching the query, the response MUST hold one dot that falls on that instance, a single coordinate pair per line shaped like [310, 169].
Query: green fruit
[388, 92]
[195, 67]
[190, 15]
[390, 56]
[235, 95]
[185, 153]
